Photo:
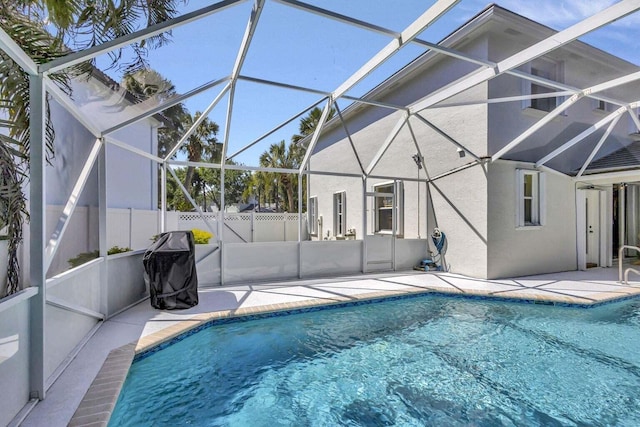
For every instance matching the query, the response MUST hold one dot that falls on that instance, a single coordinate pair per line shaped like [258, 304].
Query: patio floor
[142, 327]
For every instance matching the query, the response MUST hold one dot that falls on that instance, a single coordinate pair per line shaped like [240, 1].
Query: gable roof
[622, 159]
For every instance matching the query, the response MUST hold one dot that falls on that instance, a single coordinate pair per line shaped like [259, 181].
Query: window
[384, 208]
[530, 200]
[339, 213]
[603, 106]
[634, 129]
[313, 216]
[548, 70]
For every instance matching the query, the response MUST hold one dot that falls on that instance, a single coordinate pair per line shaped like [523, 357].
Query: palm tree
[309, 123]
[45, 30]
[201, 145]
[281, 156]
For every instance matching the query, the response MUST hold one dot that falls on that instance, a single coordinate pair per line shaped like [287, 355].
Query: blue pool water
[411, 362]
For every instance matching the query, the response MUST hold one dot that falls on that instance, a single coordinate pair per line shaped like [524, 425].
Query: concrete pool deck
[86, 392]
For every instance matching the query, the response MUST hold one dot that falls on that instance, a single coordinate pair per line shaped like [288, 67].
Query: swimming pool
[417, 361]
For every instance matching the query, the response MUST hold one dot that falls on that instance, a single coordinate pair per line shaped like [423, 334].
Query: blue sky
[303, 49]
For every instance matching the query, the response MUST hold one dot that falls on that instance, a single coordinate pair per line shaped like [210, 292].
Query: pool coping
[99, 401]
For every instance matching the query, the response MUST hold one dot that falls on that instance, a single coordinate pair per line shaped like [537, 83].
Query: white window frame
[313, 216]
[398, 208]
[339, 213]
[633, 128]
[554, 71]
[537, 197]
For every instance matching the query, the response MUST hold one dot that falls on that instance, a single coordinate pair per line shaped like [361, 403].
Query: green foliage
[45, 30]
[282, 156]
[84, 257]
[12, 212]
[201, 237]
[118, 250]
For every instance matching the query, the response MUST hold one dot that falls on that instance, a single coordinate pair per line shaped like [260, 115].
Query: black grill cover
[170, 271]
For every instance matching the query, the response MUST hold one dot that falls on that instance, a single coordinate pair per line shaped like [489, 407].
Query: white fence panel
[248, 227]
[238, 228]
[119, 228]
[144, 225]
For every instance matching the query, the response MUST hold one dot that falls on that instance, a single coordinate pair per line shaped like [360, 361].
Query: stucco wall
[578, 66]
[467, 125]
[459, 209]
[132, 179]
[529, 250]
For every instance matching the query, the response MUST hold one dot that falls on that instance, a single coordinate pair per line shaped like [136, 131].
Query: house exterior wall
[458, 206]
[132, 179]
[458, 201]
[518, 251]
[580, 67]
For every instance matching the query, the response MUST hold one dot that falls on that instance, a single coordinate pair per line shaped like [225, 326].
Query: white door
[592, 222]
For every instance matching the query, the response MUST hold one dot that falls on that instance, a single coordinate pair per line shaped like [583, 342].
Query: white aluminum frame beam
[19, 56]
[282, 85]
[415, 143]
[537, 126]
[92, 52]
[445, 136]
[260, 169]
[598, 146]
[113, 141]
[387, 143]
[505, 99]
[256, 11]
[411, 32]
[346, 131]
[168, 104]
[430, 16]
[604, 17]
[432, 46]
[591, 129]
[634, 117]
[275, 129]
[563, 107]
[320, 92]
[71, 107]
[72, 202]
[200, 119]
[193, 202]
[37, 229]
[74, 308]
[316, 134]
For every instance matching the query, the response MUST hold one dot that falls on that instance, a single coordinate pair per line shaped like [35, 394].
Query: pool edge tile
[98, 403]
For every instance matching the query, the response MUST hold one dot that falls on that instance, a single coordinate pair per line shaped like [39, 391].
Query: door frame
[581, 226]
